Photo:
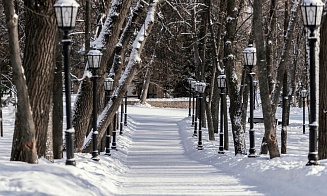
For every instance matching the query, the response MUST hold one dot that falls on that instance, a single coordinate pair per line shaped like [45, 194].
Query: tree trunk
[57, 111]
[108, 36]
[322, 128]
[39, 59]
[132, 67]
[24, 143]
[146, 84]
[226, 134]
[270, 31]
[284, 115]
[232, 82]
[268, 113]
[210, 122]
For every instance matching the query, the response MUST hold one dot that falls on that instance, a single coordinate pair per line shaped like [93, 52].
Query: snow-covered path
[158, 164]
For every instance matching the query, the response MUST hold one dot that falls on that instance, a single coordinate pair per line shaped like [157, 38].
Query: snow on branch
[130, 71]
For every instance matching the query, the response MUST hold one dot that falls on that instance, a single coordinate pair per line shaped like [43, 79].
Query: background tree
[322, 128]
[24, 147]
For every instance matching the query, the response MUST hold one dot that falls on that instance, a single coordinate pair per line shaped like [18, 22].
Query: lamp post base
[312, 162]
[313, 159]
[95, 156]
[108, 152]
[200, 147]
[121, 128]
[71, 162]
[252, 155]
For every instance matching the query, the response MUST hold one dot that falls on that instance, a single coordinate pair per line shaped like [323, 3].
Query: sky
[157, 155]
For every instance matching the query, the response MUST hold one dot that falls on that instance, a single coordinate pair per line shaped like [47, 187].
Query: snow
[157, 156]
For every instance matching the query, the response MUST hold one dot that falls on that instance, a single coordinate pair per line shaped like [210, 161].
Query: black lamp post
[221, 79]
[125, 113]
[303, 95]
[66, 12]
[108, 84]
[193, 82]
[94, 62]
[189, 80]
[250, 60]
[121, 118]
[195, 133]
[200, 88]
[312, 12]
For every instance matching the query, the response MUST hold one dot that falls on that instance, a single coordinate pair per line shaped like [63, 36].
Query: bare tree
[24, 148]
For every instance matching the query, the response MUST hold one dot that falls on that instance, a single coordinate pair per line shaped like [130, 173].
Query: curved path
[158, 164]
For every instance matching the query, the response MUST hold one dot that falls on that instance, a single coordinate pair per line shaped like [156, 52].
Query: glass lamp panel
[304, 93]
[189, 80]
[108, 84]
[66, 13]
[221, 81]
[312, 11]
[193, 84]
[201, 87]
[250, 57]
[94, 59]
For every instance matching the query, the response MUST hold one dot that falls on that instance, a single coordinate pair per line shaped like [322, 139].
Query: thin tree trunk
[268, 113]
[146, 84]
[24, 143]
[132, 67]
[233, 83]
[109, 36]
[322, 128]
[284, 116]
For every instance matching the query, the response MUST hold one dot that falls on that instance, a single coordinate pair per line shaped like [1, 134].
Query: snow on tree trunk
[106, 42]
[131, 69]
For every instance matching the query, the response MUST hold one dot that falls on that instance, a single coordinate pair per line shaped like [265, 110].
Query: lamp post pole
[70, 132]
[304, 94]
[66, 12]
[114, 133]
[95, 153]
[94, 62]
[121, 118]
[189, 80]
[125, 114]
[193, 82]
[250, 60]
[313, 124]
[312, 13]
[195, 133]
[221, 81]
[201, 87]
[108, 88]
[252, 143]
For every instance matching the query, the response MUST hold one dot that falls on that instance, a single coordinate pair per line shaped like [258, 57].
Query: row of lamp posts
[66, 13]
[312, 11]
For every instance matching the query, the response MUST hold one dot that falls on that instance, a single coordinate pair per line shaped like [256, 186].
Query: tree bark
[232, 81]
[146, 85]
[132, 67]
[322, 128]
[39, 59]
[109, 35]
[24, 143]
[268, 113]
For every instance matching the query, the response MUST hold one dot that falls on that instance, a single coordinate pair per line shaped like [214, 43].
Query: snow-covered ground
[180, 170]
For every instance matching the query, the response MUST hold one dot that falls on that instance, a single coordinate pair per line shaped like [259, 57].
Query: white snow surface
[157, 155]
